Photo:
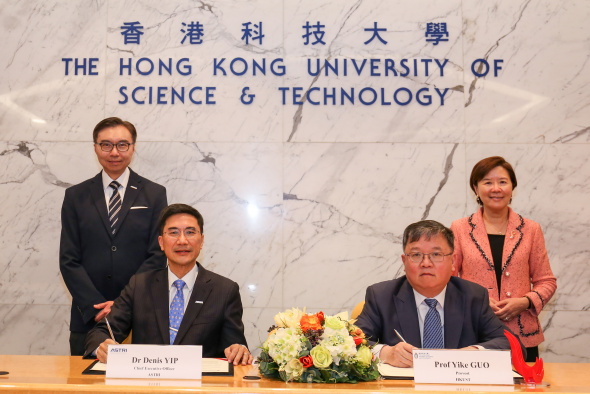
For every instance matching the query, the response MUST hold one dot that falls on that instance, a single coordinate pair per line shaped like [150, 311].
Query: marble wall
[304, 204]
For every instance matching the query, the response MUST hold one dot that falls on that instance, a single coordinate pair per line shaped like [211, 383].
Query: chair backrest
[128, 340]
[356, 311]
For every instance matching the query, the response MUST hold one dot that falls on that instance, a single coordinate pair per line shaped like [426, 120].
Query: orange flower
[307, 361]
[320, 316]
[310, 322]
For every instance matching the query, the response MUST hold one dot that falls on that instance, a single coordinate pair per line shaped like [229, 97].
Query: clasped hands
[509, 308]
[236, 354]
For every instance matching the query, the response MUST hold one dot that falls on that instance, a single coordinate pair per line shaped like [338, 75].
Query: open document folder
[211, 367]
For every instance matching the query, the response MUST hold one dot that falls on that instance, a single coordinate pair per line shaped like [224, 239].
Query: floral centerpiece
[313, 348]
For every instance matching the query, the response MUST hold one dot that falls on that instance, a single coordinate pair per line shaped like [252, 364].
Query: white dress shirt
[189, 280]
[108, 191]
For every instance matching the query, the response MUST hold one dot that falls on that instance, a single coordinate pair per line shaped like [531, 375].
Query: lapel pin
[133, 187]
[512, 234]
[198, 302]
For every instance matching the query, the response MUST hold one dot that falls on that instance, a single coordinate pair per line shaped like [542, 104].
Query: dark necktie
[114, 206]
[433, 336]
[176, 310]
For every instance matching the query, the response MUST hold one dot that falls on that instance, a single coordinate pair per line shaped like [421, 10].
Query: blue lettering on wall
[81, 66]
[366, 96]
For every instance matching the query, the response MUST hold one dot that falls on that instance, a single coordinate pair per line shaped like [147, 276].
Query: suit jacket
[468, 318]
[524, 262]
[213, 316]
[96, 265]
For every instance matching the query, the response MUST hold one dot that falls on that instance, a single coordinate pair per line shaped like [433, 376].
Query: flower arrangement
[313, 348]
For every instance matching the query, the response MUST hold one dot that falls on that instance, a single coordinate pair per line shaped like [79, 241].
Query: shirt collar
[123, 179]
[189, 278]
[440, 297]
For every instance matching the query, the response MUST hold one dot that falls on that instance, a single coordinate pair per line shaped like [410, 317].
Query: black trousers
[77, 343]
[531, 354]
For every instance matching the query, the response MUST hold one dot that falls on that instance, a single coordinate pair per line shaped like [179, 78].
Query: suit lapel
[160, 297]
[513, 237]
[479, 236]
[133, 189]
[407, 315]
[97, 193]
[453, 316]
[196, 303]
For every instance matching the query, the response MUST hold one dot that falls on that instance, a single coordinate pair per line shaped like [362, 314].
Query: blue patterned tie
[433, 337]
[176, 310]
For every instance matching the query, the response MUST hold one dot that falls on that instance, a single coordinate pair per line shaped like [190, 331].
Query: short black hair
[112, 122]
[428, 229]
[175, 209]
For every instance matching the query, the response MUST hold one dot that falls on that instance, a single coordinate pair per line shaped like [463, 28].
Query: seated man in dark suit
[429, 307]
[184, 304]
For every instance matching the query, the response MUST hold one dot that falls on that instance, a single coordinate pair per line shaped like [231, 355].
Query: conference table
[63, 374]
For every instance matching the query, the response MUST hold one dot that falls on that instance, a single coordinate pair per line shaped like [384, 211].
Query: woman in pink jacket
[505, 253]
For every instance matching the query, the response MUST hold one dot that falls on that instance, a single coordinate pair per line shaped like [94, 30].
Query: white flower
[293, 369]
[284, 345]
[289, 318]
[340, 344]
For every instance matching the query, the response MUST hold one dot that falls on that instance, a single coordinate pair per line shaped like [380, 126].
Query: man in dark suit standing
[184, 304]
[109, 230]
[428, 307]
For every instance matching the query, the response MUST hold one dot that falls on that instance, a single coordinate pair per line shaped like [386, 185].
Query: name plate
[154, 361]
[462, 367]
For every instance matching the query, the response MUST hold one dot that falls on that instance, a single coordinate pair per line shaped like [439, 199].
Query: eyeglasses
[188, 233]
[436, 257]
[108, 146]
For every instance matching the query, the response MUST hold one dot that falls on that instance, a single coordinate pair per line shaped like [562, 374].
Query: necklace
[493, 229]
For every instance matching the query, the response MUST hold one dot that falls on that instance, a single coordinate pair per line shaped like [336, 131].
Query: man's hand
[106, 309]
[509, 308]
[238, 354]
[399, 355]
[102, 351]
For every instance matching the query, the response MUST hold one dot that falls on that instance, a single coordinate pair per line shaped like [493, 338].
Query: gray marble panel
[37, 100]
[566, 336]
[540, 95]
[34, 329]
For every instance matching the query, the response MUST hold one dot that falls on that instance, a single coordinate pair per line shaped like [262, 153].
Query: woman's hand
[509, 308]
[493, 305]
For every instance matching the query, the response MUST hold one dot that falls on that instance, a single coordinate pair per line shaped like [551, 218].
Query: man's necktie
[433, 336]
[114, 206]
[176, 310]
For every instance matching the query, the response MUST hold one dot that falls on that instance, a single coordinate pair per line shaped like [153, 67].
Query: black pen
[253, 374]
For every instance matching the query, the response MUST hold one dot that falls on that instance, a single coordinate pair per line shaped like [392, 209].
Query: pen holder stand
[532, 375]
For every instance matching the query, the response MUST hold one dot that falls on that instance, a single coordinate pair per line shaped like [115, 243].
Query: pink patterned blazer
[525, 267]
